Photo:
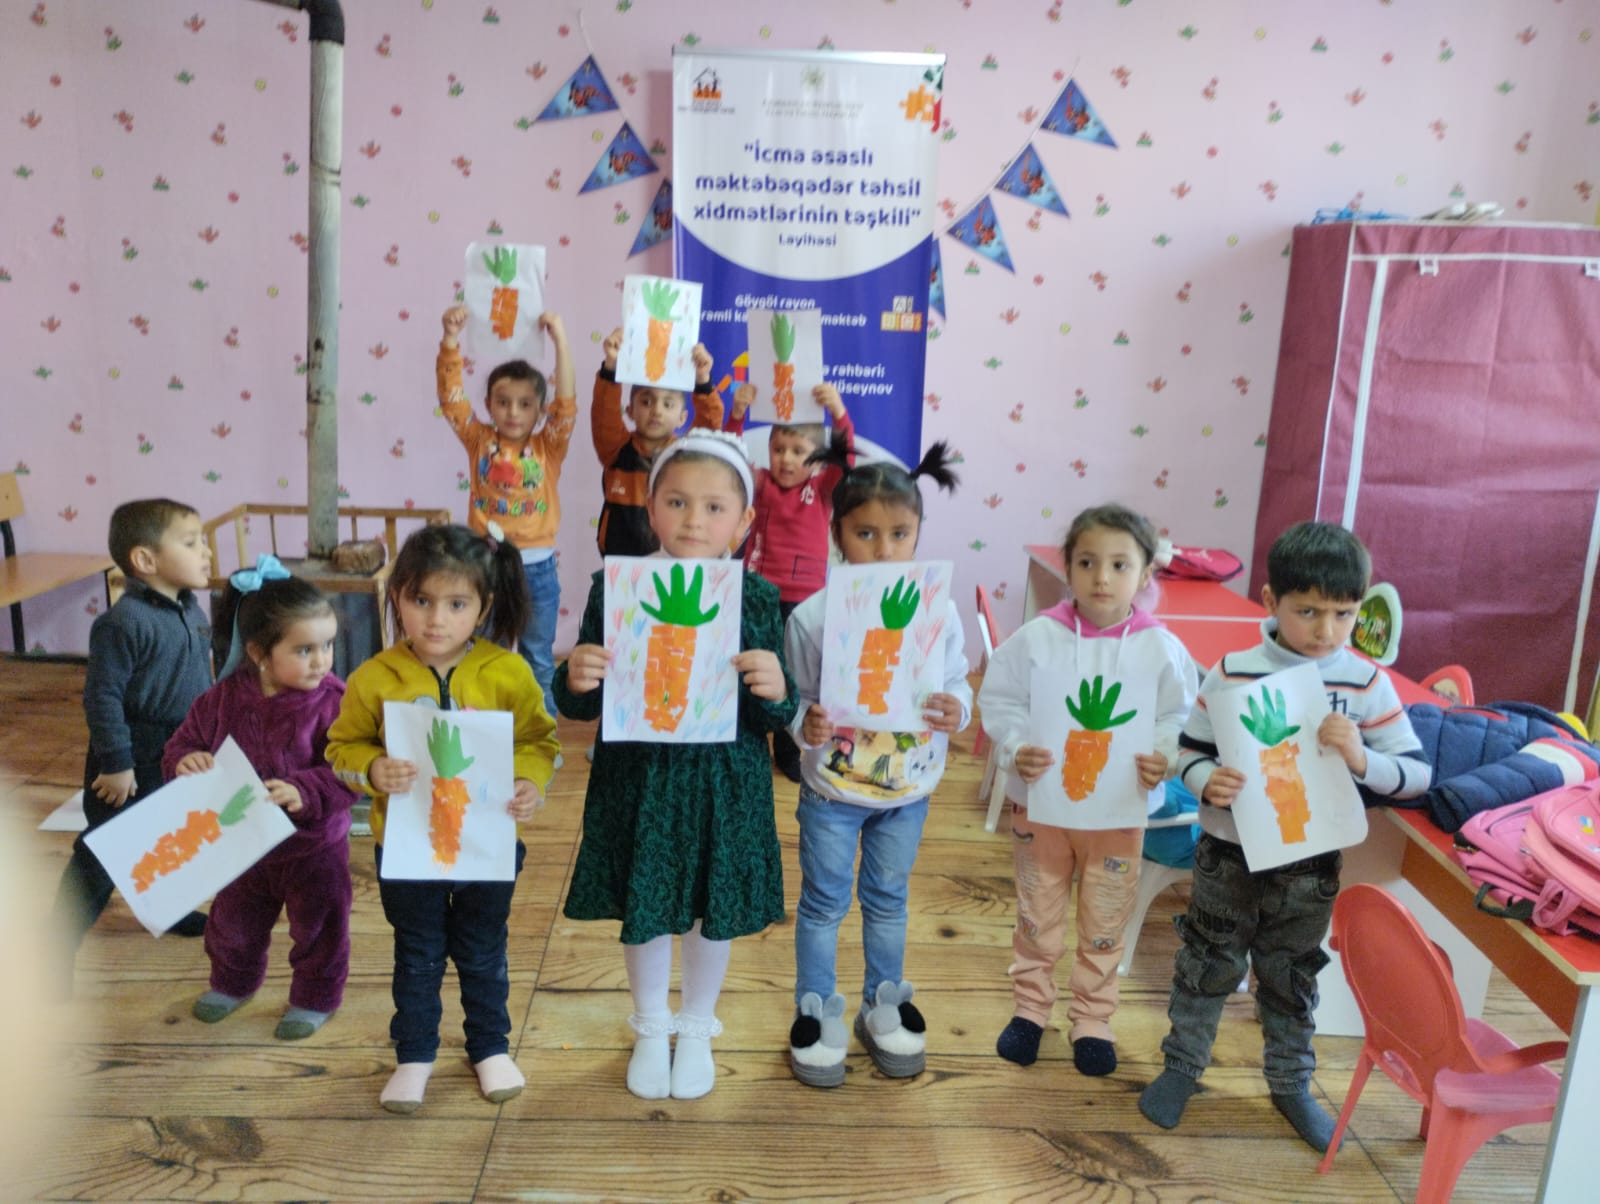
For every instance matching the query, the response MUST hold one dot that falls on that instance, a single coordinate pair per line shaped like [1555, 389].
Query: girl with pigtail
[854, 797]
[460, 601]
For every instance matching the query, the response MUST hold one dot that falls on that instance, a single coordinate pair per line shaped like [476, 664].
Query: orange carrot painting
[1286, 789]
[880, 650]
[450, 798]
[783, 335]
[1087, 751]
[502, 266]
[660, 299]
[669, 654]
[176, 849]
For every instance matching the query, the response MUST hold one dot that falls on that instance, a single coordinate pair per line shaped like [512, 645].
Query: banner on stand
[806, 180]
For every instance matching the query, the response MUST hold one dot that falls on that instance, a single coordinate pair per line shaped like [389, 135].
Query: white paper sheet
[172, 851]
[1104, 780]
[1311, 805]
[418, 835]
[645, 699]
[874, 675]
[655, 350]
[519, 338]
[803, 329]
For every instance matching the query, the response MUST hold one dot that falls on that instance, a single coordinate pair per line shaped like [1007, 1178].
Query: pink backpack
[1563, 844]
[1492, 847]
[1201, 564]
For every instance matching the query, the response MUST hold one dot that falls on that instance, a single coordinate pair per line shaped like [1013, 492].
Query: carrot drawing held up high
[783, 334]
[176, 849]
[1087, 751]
[448, 809]
[503, 304]
[669, 654]
[1286, 789]
[880, 650]
[659, 298]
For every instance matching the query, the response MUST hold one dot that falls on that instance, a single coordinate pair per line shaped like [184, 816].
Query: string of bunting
[1024, 176]
[585, 93]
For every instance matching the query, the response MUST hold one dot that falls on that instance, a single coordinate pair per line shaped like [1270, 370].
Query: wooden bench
[362, 520]
[27, 575]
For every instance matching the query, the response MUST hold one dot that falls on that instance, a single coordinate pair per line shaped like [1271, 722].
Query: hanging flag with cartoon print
[1027, 178]
[1094, 724]
[624, 159]
[585, 92]
[979, 228]
[657, 223]
[1072, 116]
[1298, 799]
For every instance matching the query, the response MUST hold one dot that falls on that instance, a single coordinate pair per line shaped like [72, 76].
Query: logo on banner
[707, 96]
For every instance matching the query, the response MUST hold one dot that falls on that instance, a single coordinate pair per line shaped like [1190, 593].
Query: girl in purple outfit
[277, 705]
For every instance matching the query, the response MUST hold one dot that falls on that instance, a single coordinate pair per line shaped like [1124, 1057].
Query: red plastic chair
[1456, 678]
[1471, 1080]
[993, 786]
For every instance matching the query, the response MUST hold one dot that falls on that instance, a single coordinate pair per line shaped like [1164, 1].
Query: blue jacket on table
[1478, 758]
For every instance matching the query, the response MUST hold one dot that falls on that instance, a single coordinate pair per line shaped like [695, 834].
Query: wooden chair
[27, 575]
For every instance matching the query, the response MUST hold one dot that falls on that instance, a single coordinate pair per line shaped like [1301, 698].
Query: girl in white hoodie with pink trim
[1109, 552]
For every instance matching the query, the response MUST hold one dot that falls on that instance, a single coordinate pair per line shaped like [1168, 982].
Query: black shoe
[193, 924]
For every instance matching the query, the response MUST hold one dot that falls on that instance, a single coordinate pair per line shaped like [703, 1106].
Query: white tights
[653, 1073]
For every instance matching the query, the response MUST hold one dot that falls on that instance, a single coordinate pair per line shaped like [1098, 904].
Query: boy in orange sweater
[515, 466]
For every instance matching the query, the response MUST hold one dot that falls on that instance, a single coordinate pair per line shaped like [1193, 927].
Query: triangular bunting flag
[658, 222]
[1073, 116]
[1027, 178]
[936, 281]
[586, 92]
[979, 228]
[624, 159]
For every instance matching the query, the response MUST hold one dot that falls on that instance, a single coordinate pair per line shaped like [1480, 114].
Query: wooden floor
[165, 1108]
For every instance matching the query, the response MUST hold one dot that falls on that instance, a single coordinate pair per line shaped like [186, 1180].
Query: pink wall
[152, 293]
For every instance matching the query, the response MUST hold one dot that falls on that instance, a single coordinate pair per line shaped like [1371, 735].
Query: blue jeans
[829, 835]
[466, 923]
[538, 639]
[1278, 917]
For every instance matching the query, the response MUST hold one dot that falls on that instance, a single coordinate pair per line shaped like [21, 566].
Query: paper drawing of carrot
[176, 849]
[1087, 751]
[669, 652]
[880, 650]
[450, 798]
[503, 304]
[783, 333]
[659, 299]
[1286, 789]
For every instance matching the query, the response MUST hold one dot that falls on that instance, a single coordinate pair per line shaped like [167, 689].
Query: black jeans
[466, 922]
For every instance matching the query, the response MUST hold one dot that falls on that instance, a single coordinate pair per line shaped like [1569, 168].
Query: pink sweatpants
[1046, 859]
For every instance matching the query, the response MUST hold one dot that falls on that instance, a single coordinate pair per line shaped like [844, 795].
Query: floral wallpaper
[153, 166]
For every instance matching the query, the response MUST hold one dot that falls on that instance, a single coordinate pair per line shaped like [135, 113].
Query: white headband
[726, 447]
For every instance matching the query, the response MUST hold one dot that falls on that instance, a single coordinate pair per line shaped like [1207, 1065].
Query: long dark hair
[492, 567]
[882, 480]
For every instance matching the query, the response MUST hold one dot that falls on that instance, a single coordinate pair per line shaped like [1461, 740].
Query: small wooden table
[27, 575]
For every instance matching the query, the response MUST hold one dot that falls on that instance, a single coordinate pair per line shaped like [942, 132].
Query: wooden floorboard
[149, 1104]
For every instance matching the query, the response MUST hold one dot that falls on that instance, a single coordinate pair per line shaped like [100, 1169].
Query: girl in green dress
[681, 838]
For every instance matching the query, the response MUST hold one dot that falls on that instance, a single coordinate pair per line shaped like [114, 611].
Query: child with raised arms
[680, 839]
[1099, 628]
[460, 602]
[515, 468]
[788, 541]
[277, 698]
[865, 791]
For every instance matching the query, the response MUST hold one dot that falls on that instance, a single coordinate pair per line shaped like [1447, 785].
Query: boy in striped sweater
[1316, 576]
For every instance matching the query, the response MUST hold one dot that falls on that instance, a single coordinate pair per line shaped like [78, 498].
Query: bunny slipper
[894, 1032]
[818, 1040]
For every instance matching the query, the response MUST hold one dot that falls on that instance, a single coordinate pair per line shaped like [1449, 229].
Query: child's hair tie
[494, 536]
[723, 446]
[248, 581]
